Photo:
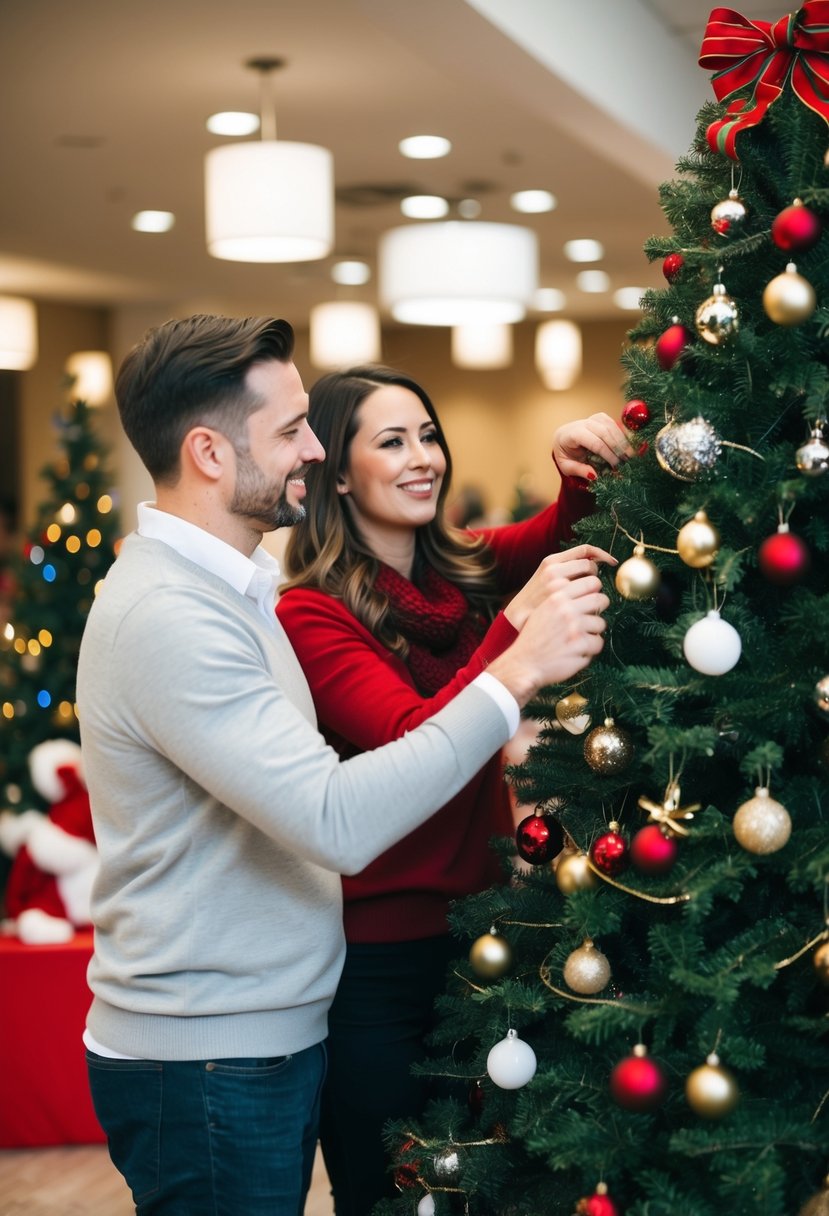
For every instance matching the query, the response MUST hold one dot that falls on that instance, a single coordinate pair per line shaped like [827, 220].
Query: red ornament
[638, 1082]
[651, 851]
[635, 415]
[405, 1175]
[475, 1099]
[597, 1204]
[539, 838]
[672, 266]
[671, 344]
[610, 853]
[796, 229]
[784, 558]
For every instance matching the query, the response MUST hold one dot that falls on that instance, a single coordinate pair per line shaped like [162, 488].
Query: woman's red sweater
[365, 697]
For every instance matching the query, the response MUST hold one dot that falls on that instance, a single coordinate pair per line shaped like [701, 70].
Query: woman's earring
[342, 488]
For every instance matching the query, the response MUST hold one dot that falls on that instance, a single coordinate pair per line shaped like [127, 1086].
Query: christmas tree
[65, 555]
[642, 1022]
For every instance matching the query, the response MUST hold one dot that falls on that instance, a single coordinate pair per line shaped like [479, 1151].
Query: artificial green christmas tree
[66, 553]
[643, 1026]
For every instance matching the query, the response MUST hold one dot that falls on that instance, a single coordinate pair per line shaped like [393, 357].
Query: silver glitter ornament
[717, 318]
[687, 449]
[821, 695]
[447, 1166]
[813, 457]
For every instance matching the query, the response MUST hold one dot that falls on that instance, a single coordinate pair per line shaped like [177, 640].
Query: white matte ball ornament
[711, 645]
[511, 1063]
[426, 1207]
[762, 825]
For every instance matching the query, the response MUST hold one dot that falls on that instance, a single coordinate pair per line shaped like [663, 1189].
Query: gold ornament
[789, 298]
[670, 812]
[571, 713]
[820, 960]
[698, 541]
[573, 873]
[821, 695]
[729, 216]
[491, 955]
[586, 970]
[762, 825]
[717, 318]
[711, 1090]
[638, 578]
[818, 1205]
[608, 749]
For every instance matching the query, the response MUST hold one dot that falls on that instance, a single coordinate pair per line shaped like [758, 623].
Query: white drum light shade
[269, 201]
[458, 273]
[91, 373]
[344, 333]
[558, 353]
[18, 334]
[482, 346]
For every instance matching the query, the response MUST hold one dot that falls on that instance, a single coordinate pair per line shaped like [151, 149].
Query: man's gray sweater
[222, 818]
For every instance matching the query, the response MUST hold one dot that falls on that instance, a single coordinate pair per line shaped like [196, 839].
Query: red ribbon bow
[761, 56]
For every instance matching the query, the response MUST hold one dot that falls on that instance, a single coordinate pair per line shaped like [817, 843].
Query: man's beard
[253, 497]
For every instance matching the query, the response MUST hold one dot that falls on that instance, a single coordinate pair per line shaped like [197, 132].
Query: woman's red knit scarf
[435, 619]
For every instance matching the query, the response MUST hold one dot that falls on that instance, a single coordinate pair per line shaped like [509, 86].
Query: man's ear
[206, 451]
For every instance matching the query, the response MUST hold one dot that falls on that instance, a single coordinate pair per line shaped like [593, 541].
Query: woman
[391, 612]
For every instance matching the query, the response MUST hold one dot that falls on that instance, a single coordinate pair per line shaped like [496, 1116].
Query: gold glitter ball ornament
[762, 825]
[491, 955]
[711, 1090]
[818, 1205]
[789, 298]
[571, 713]
[821, 695]
[638, 578]
[586, 970]
[608, 749]
[698, 541]
[573, 873]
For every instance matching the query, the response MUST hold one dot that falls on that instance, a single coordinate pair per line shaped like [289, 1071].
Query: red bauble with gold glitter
[796, 228]
[784, 558]
[610, 852]
[635, 415]
[672, 266]
[638, 1083]
[671, 344]
[597, 1204]
[539, 838]
[653, 851]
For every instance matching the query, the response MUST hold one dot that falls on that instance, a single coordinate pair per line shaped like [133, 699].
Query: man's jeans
[212, 1137]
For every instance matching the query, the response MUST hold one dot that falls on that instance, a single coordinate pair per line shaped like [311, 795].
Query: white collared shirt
[256, 576]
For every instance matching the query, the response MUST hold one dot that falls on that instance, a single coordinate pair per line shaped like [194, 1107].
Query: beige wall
[499, 424]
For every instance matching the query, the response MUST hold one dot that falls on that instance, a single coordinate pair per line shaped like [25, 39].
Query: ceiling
[106, 109]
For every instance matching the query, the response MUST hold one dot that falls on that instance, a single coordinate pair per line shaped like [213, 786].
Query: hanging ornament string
[787, 962]
[760, 57]
[651, 899]
[640, 541]
[647, 1011]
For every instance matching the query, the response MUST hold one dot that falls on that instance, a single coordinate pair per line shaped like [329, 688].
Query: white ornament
[711, 645]
[511, 1063]
[426, 1207]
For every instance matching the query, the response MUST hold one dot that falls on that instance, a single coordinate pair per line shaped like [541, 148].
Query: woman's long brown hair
[326, 550]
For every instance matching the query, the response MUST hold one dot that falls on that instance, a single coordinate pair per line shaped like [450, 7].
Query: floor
[81, 1181]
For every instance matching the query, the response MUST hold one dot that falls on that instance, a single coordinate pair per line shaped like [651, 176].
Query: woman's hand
[574, 571]
[597, 435]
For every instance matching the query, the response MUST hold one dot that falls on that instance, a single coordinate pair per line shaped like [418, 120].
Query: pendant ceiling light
[558, 353]
[482, 346]
[18, 334]
[90, 376]
[458, 272]
[344, 333]
[269, 200]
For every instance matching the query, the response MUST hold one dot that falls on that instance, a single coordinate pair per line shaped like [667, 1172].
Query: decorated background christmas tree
[66, 553]
[642, 1024]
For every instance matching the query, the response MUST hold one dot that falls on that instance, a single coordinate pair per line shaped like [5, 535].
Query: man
[222, 819]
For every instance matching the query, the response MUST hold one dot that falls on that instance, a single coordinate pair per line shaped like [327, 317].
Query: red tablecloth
[43, 1002]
